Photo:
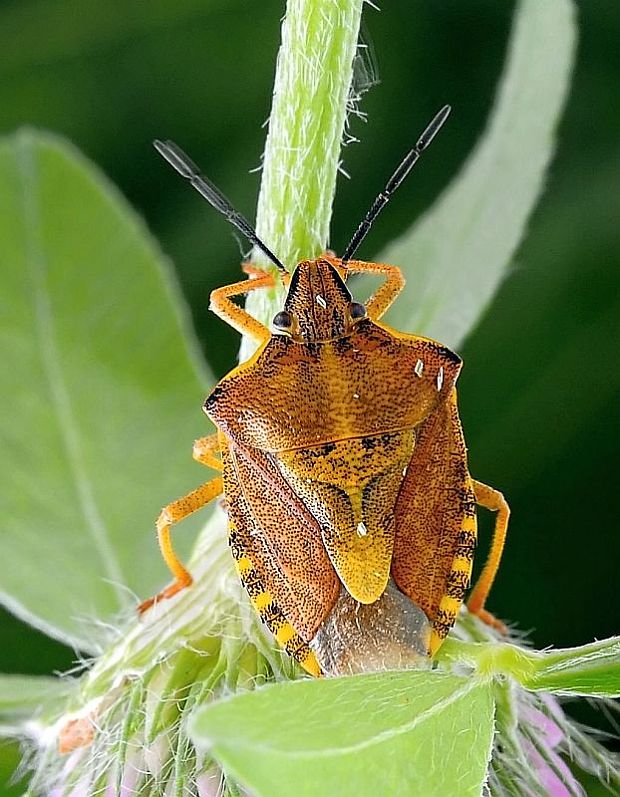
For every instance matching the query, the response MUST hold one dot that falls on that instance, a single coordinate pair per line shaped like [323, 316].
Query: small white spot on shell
[361, 529]
[356, 395]
[321, 301]
[440, 378]
[405, 471]
[419, 367]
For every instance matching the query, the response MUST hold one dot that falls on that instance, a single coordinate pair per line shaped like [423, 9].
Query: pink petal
[556, 786]
[210, 783]
[551, 732]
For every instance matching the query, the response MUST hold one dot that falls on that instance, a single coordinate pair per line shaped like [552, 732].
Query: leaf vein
[379, 738]
[52, 366]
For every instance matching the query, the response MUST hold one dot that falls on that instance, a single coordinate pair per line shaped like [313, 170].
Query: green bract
[396, 733]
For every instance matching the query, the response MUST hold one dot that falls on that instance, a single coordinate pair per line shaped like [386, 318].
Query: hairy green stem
[306, 126]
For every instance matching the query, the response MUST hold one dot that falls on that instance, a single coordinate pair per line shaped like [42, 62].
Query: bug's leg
[236, 316]
[490, 499]
[386, 293]
[251, 269]
[173, 513]
[204, 452]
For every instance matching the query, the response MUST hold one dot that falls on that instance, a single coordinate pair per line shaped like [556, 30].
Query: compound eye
[283, 321]
[357, 311]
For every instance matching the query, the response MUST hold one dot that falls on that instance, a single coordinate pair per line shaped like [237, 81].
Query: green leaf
[457, 254]
[590, 670]
[104, 394]
[10, 758]
[23, 697]
[418, 734]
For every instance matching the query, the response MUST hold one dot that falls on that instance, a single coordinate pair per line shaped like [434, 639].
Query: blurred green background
[539, 391]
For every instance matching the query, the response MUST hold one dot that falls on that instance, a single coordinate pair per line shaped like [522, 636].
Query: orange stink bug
[352, 513]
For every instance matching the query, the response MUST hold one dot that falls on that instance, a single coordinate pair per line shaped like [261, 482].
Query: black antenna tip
[186, 167]
[433, 128]
[403, 169]
[176, 158]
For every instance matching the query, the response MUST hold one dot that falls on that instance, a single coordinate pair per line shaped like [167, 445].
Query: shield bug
[352, 513]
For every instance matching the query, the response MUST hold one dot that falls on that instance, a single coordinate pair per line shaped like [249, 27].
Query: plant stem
[302, 154]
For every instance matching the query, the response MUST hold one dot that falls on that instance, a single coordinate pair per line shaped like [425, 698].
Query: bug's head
[318, 305]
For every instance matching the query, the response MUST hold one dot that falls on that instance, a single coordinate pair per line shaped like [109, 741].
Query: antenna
[395, 180]
[188, 169]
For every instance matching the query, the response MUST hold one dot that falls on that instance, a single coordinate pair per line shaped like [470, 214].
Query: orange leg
[173, 513]
[490, 499]
[252, 270]
[385, 295]
[236, 316]
[204, 452]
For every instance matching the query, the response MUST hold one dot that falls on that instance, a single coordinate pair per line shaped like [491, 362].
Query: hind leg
[490, 499]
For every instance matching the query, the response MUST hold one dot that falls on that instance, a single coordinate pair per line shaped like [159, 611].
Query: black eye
[357, 310]
[283, 320]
